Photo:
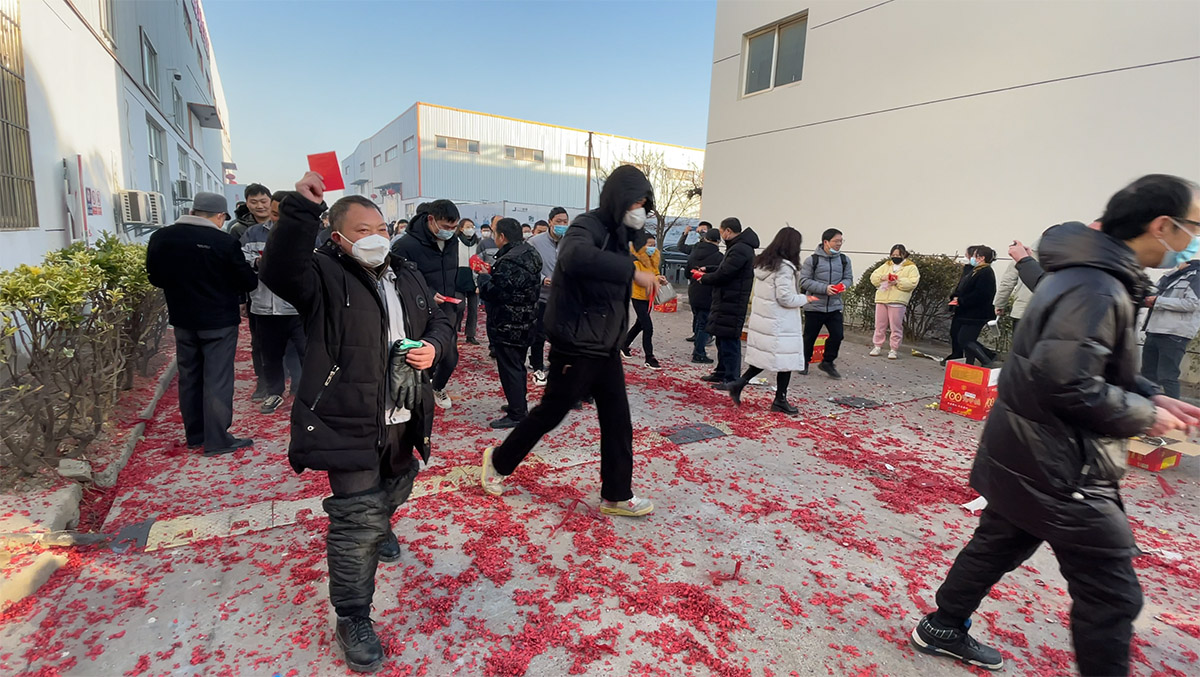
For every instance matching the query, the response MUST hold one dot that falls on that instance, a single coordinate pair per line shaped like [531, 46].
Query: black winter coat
[588, 310]
[339, 413]
[202, 272]
[464, 281]
[707, 257]
[976, 292]
[733, 282]
[512, 292]
[438, 265]
[1054, 446]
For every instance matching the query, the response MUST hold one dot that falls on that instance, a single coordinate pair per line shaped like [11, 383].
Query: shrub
[927, 313]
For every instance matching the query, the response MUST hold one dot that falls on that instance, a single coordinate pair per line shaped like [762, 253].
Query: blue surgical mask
[560, 230]
[445, 234]
[973, 261]
[1174, 259]
[650, 251]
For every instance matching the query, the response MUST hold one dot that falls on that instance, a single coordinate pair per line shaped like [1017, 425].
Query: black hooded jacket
[588, 310]
[1053, 448]
[339, 414]
[439, 265]
[705, 256]
[512, 292]
[733, 283]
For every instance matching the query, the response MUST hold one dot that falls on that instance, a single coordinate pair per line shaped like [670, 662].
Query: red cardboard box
[819, 349]
[1159, 453]
[968, 390]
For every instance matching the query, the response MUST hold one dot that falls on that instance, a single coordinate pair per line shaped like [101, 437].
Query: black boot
[398, 489]
[781, 405]
[359, 643]
[357, 526]
[735, 390]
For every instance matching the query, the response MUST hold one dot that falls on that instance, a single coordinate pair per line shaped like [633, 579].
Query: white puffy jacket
[775, 335]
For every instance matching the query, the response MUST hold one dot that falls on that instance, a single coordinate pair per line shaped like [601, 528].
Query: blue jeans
[699, 322]
[729, 358]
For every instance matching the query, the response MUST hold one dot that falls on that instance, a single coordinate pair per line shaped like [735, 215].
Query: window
[775, 57]
[391, 153]
[457, 145]
[682, 175]
[184, 178]
[187, 21]
[108, 10]
[177, 106]
[378, 160]
[157, 155]
[199, 58]
[577, 161]
[149, 65]
[409, 144]
[196, 175]
[523, 154]
[346, 171]
[362, 167]
[18, 204]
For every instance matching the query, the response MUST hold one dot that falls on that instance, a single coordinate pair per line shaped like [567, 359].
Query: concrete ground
[788, 546]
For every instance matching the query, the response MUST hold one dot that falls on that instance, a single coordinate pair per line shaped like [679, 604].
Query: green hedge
[928, 315]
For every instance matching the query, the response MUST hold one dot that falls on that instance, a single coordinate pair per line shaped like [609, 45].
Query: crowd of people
[363, 318]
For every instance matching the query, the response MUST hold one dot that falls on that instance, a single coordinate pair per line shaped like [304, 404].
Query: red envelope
[326, 164]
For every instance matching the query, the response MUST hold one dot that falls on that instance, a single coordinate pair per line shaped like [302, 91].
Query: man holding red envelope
[825, 275]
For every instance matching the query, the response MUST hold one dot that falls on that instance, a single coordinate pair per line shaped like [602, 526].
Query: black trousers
[281, 340]
[571, 379]
[834, 322]
[1161, 359]
[255, 349]
[782, 380]
[205, 359]
[510, 362]
[644, 326]
[360, 512]
[1105, 593]
[729, 358]
[956, 350]
[699, 332]
[537, 349]
[968, 341]
[471, 313]
[449, 362]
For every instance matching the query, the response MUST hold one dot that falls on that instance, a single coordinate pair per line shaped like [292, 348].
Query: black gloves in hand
[405, 384]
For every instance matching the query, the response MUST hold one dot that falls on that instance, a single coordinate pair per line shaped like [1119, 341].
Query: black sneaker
[505, 423]
[829, 369]
[712, 378]
[690, 339]
[701, 359]
[936, 639]
[653, 364]
[270, 404]
[234, 445]
[356, 635]
[389, 550]
[260, 393]
[472, 340]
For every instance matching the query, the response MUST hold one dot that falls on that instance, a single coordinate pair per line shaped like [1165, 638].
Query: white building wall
[945, 124]
[88, 111]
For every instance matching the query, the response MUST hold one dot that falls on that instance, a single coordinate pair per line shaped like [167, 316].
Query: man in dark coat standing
[1053, 449]
[732, 282]
[512, 291]
[358, 304]
[586, 320]
[432, 245]
[704, 256]
[204, 276]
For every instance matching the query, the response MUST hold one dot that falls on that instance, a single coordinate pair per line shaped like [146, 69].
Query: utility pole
[588, 200]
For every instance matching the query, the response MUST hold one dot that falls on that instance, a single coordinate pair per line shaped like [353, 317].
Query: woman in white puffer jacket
[775, 336]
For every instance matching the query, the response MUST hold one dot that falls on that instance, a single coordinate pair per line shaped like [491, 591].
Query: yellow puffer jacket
[643, 261]
[899, 291]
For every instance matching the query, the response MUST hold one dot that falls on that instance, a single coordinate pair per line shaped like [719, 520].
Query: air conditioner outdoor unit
[183, 189]
[142, 208]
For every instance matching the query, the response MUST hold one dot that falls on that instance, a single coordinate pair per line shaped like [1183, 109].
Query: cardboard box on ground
[969, 390]
[1159, 453]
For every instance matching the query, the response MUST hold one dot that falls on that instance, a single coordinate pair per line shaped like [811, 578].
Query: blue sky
[306, 76]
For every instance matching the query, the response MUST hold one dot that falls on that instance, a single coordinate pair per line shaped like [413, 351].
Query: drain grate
[856, 402]
[692, 432]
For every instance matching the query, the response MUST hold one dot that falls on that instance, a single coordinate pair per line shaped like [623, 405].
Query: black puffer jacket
[438, 265]
[733, 283]
[1070, 395]
[338, 415]
[707, 257]
[588, 310]
[976, 291]
[512, 292]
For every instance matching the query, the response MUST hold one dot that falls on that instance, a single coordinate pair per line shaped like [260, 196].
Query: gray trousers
[205, 358]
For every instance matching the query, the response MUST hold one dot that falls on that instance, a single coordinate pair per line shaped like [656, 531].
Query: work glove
[405, 384]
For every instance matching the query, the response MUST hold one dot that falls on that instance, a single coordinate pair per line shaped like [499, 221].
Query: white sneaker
[634, 507]
[492, 481]
[441, 399]
[892, 355]
[876, 351]
[539, 378]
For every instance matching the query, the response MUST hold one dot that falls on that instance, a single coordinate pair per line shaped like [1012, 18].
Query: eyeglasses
[1190, 229]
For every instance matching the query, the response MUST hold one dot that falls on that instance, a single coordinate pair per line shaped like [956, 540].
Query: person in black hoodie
[512, 291]
[432, 245]
[733, 282]
[973, 310]
[704, 256]
[357, 304]
[586, 319]
[1054, 446]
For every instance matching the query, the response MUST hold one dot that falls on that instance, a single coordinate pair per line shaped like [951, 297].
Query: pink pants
[889, 315]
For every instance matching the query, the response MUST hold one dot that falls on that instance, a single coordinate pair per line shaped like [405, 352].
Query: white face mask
[371, 251]
[469, 232]
[635, 218]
